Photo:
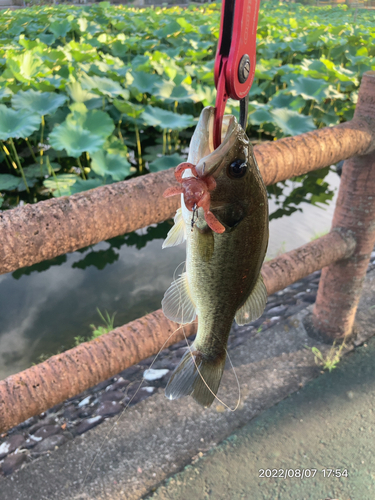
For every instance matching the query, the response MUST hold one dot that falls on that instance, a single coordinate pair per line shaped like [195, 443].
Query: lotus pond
[96, 94]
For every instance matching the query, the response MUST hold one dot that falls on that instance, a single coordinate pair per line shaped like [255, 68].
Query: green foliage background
[94, 94]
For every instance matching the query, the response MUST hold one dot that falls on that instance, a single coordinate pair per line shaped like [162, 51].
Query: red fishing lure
[196, 191]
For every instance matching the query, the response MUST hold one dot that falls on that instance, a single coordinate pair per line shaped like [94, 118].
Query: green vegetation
[91, 95]
[97, 331]
[332, 358]
[108, 324]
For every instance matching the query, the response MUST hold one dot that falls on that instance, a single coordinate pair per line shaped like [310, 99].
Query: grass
[108, 324]
[331, 359]
[97, 331]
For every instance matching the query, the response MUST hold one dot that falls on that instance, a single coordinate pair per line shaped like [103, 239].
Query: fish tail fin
[197, 375]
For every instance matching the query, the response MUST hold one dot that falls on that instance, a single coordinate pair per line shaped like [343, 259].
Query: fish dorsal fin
[255, 303]
[177, 303]
[177, 234]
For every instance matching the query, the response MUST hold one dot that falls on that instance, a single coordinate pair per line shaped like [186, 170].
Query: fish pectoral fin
[177, 234]
[178, 304]
[255, 303]
[196, 376]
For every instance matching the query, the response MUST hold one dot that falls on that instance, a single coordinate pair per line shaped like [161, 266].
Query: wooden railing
[34, 233]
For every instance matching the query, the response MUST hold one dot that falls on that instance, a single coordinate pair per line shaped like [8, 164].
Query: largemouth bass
[225, 250]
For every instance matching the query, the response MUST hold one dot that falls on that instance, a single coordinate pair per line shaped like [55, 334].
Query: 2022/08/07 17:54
[302, 473]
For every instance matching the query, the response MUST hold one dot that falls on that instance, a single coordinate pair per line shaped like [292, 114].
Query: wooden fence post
[341, 283]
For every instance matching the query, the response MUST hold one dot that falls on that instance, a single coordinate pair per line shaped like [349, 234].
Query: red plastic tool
[235, 57]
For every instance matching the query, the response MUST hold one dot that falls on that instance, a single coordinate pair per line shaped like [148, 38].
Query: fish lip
[210, 164]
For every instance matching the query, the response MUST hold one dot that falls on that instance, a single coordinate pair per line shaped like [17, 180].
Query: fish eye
[237, 169]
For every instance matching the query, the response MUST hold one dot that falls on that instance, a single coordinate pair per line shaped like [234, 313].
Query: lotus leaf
[17, 123]
[119, 49]
[113, 165]
[95, 121]
[165, 162]
[114, 146]
[82, 185]
[47, 39]
[171, 28]
[9, 182]
[158, 117]
[260, 115]
[60, 28]
[128, 108]
[291, 122]
[141, 63]
[108, 87]
[144, 82]
[43, 103]
[68, 184]
[61, 185]
[26, 66]
[311, 88]
[30, 181]
[83, 24]
[282, 99]
[75, 139]
[37, 170]
[181, 94]
[205, 94]
[163, 89]
[78, 94]
[5, 92]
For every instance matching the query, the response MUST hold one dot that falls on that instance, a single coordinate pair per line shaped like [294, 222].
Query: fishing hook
[193, 220]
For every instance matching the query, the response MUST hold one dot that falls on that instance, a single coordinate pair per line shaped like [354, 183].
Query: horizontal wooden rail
[38, 232]
[65, 375]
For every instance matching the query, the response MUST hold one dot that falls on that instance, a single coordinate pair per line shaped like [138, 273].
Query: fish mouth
[230, 214]
[232, 133]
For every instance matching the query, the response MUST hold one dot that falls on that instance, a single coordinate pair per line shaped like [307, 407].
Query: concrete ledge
[159, 437]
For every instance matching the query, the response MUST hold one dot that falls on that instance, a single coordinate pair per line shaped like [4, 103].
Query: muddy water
[43, 309]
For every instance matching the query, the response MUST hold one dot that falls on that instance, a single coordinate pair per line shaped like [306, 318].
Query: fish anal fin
[178, 303]
[177, 234]
[255, 303]
[197, 376]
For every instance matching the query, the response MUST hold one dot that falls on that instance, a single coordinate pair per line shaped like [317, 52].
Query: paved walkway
[326, 428]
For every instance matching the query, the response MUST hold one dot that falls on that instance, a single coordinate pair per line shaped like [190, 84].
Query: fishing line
[174, 273]
[208, 387]
[126, 407]
[136, 392]
[238, 382]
